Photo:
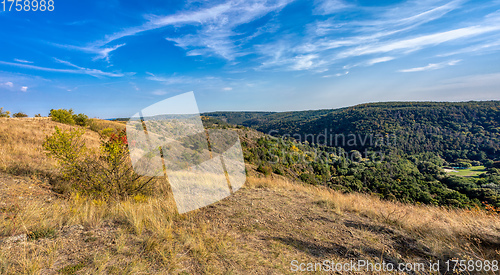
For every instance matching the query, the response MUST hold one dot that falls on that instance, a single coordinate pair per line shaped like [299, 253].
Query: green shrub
[264, 169]
[81, 119]
[107, 132]
[63, 116]
[4, 113]
[40, 233]
[19, 114]
[104, 174]
[68, 117]
[308, 178]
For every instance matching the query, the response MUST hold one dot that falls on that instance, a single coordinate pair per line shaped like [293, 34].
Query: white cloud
[215, 26]
[325, 7]
[419, 42]
[170, 80]
[159, 92]
[228, 89]
[24, 89]
[334, 39]
[304, 62]
[379, 60]
[100, 51]
[413, 13]
[431, 66]
[9, 84]
[480, 48]
[78, 70]
[22, 61]
[337, 74]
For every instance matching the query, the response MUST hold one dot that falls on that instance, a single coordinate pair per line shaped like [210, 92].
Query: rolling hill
[462, 130]
[270, 226]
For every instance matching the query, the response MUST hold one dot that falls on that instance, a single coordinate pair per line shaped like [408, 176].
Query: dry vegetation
[20, 145]
[258, 230]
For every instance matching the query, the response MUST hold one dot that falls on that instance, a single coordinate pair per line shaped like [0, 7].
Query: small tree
[63, 116]
[105, 174]
[81, 119]
[68, 117]
[19, 114]
[4, 113]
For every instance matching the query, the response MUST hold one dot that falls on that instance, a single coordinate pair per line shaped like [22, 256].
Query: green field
[473, 172]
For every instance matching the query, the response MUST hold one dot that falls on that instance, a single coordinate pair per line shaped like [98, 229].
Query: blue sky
[113, 58]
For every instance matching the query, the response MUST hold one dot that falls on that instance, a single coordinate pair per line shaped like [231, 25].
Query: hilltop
[461, 130]
[260, 229]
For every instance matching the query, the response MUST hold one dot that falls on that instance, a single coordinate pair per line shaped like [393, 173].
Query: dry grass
[148, 236]
[99, 125]
[471, 233]
[21, 152]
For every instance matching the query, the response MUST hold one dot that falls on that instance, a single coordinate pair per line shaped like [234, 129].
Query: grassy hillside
[395, 150]
[260, 229]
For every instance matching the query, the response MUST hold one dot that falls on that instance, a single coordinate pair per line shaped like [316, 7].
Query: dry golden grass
[21, 139]
[99, 125]
[153, 238]
[445, 229]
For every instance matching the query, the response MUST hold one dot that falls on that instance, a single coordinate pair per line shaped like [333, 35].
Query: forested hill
[453, 130]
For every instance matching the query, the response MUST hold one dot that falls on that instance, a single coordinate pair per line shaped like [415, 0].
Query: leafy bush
[20, 114]
[4, 113]
[81, 119]
[104, 174]
[68, 117]
[308, 178]
[63, 116]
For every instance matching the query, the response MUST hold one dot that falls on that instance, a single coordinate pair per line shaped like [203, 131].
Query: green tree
[81, 119]
[4, 113]
[105, 173]
[62, 116]
[19, 114]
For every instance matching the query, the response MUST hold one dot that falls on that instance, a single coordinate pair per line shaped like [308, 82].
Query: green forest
[413, 152]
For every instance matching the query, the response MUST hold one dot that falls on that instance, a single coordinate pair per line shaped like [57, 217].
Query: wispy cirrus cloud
[431, 66]
[480, 48]
[379, 60]
[325, 7]
[379, 35]
[214, 28]
[77, 70]
[100, 52]
[22, 61]
[418, 42]
[385, 32]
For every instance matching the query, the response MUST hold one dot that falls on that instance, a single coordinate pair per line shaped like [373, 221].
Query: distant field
[473, 172]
